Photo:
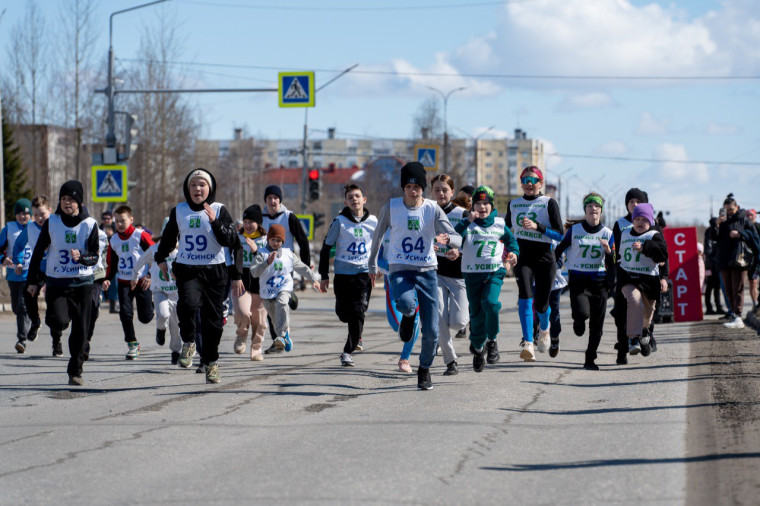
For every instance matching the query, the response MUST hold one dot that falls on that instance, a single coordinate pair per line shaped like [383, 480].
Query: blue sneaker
[288, 342]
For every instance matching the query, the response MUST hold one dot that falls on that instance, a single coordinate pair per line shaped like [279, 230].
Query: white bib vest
[455, 216]
[102, 249]
[159, 282]
[62, 240]
[197, 242]
[278, 277]
[281, 220]
[586, 253]
[13, 230]
[129, 251]
[354, 240]
[481, 248]
[412, 234]
[622, 224]
[635, 261]
[536, 210]
[248, 255]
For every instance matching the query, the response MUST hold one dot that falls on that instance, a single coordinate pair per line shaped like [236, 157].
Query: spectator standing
[734, 256]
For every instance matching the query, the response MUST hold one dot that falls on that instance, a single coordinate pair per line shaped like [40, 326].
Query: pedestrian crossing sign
[109, 183]
[427, 155]
[307, 222]
[296, 89]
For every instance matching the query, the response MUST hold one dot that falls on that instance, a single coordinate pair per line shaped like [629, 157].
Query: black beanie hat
[468, 189]
[254, 214]
[273, 189]
[413, 173]
[73, 189]
[635, 193]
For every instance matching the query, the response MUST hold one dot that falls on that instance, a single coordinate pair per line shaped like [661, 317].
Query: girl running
[535, 221]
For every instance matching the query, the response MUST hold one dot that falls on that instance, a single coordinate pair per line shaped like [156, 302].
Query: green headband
[593, 199]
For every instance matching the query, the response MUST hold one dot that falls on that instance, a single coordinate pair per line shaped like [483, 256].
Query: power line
[568, 77]
[373, 8]
[659, 160]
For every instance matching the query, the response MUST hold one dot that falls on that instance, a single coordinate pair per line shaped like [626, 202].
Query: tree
[14, 172]
[427, 123]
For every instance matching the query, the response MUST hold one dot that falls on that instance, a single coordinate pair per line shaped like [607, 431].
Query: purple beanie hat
[644, 211]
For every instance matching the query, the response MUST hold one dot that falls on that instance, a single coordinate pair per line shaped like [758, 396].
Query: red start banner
[684, 273]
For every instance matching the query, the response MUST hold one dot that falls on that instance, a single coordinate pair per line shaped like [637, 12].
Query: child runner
[351, 235]
[536, 222]
[642, 249]
[274, 266]
[453, 310]
[71, 238]
[164, 296]
[483, 247]
[555, 325]
[203, 227]
[249, 310]
[276, 213]
[124, 250]
[22, 254]
[415, 223]
[17, 280]
[589, 248]
[99, 277]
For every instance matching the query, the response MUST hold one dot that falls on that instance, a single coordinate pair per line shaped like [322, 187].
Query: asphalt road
[679, 427]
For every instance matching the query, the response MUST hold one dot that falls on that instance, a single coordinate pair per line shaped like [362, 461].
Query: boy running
[17, 280]
[415, 224]
[351, 235]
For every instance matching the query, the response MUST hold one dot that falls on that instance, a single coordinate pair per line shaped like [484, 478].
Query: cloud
[722, 129]
[612, 148]
[581, 101]
[649, 125]
[674, 170]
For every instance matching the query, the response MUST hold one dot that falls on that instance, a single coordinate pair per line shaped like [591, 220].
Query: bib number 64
[408, 247]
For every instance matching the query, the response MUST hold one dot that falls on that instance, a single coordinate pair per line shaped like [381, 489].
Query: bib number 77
[483, 244]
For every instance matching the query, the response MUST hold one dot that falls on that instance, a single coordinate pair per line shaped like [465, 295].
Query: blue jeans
[410, 288]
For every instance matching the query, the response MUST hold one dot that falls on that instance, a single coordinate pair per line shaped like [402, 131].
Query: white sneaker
[736, 323]
[543, 340]
[239, 346]
[527, 352]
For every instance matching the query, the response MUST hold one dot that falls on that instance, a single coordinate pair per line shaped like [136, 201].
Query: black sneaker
[359, 345]
[57, 349]
[273, 349]
[76, 381]
[462, 333]
[160, 336]
[423, 379]
[622, 359]
[451, 368]
[634, 346]
[554, 348]
[32, 336]
[579, 327]
[478, 360]
[21, 347]
[590, 365]
[652, 343]
[644, 342]
[293, 302]
[406, 328]
[492, 352]
[201, 368]
[175, 357]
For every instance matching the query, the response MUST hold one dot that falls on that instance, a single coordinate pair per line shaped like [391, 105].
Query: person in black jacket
[71, 238]
[712, 280]
[734, 257]
[203, 228]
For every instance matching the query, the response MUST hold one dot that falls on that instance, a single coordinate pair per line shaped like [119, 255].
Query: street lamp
[445, 97]
[109, 89]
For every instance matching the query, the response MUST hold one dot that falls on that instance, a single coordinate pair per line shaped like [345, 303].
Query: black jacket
[728, 247]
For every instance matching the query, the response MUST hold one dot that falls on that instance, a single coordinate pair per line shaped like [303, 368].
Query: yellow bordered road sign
[427, 155]
[109, 183]
[296, 89]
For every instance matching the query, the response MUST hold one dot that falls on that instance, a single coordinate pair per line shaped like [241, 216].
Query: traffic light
[315, 185]
[319, 220]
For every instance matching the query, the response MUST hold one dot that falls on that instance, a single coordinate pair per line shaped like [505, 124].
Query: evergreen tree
[14, 173]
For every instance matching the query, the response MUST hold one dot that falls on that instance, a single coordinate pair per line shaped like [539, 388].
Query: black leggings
[352, 292]
[541, 274]
[588, 301]
[70, 305]
[144, 300]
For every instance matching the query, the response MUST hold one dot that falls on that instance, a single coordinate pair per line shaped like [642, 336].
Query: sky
[659, 95]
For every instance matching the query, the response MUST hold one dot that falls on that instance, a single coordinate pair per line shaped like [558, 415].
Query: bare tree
[427, 122]
[75, 76]
[166, 123]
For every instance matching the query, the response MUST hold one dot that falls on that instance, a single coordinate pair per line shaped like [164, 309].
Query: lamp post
[445, 97]
[109, 89]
